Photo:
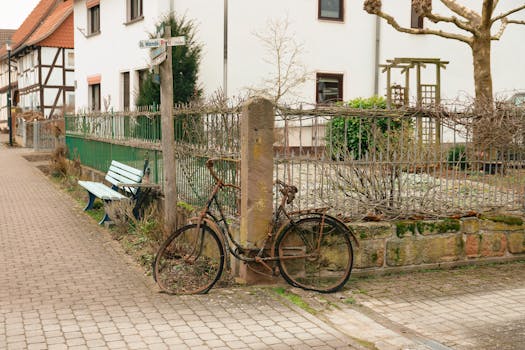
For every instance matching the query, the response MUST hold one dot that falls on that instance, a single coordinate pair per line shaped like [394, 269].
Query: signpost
[161, 56]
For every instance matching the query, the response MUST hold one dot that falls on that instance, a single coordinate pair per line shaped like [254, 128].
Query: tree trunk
[482, 68]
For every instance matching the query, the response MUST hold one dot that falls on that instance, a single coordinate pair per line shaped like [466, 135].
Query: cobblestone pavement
[65, 285]
[467, 308]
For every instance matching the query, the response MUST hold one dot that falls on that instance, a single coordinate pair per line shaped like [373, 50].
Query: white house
[342, 47]
[42, 66]
[107, 50]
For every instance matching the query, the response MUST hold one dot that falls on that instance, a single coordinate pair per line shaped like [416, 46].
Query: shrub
[457, 157]
[356, 136]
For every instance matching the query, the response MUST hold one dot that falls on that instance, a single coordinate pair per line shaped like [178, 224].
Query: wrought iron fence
[388, 164]
[141, 126]
[372, 164]
[200, 134]
[41, 135]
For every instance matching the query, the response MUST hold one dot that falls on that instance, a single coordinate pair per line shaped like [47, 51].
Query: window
[70, 59]
[94, 19]
[416, 21]
[94, 97]
[134, 10]
[143, 76]
[125, 91]
[331, 10]
[329, 88]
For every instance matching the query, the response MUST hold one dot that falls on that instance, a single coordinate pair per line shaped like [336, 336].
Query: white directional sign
[158, 53]
[176, 41]
[159, 59]
[154, 43]
[151, 43]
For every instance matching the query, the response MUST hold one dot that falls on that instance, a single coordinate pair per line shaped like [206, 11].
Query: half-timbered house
[43, 58]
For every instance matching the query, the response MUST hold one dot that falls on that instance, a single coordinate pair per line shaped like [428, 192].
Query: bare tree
[284, 53]
[478, 30]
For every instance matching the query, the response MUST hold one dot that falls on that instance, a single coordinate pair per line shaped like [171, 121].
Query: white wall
[329, 47]
[115, 50]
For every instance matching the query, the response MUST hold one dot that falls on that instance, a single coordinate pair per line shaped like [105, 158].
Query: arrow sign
[159, 59]
[151, 43]
[176, 41]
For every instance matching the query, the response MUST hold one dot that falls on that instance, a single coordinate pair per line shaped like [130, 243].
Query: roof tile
[57, 29]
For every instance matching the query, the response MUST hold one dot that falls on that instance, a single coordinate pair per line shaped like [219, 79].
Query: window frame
[416, 21]
[340, 82]
[94, 97]
[126, 91]
[92, 11]
[341, 17]
[130, 18]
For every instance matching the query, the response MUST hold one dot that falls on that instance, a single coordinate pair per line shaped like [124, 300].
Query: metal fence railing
[401, 165]
[41, 135]
[200, 135]
[361, 163]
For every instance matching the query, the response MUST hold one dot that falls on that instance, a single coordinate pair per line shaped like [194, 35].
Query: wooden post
[168, 140]
[257, 140]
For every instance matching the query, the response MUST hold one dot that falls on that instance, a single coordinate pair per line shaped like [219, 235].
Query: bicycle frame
[241, 252]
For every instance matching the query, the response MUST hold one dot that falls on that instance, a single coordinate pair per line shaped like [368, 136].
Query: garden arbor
[427, 94]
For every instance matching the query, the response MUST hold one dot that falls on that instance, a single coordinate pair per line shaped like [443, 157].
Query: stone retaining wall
[427, 244]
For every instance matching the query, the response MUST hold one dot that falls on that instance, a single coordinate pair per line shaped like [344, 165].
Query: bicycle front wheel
[190, 261]
[315, 253]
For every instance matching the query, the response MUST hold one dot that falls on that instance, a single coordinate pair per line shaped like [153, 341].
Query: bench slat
[116, 179]
[101, 191]
[128, 168]
[132, 177]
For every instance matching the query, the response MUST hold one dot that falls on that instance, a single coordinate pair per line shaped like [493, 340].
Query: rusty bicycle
[309, 248]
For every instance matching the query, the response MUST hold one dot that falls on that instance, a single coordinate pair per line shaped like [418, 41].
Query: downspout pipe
[225, 51]
[377, 54]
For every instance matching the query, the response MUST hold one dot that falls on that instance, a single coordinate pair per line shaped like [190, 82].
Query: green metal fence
[98, 138]
[98, 155]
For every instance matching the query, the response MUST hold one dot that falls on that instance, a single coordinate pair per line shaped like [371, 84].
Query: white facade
[347, 47]
[114, 51]
[46, 79]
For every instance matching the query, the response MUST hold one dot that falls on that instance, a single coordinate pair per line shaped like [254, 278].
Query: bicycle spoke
[189, 262]
[316, 254]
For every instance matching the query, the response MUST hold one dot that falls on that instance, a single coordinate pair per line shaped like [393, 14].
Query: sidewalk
[65, 285]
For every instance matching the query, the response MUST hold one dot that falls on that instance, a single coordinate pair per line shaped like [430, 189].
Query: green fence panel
[99, 154]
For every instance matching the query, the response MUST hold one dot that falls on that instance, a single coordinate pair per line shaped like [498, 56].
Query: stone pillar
[257, 140]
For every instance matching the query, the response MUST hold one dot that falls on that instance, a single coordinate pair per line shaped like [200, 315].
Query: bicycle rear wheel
[315, 253]
[189, 262]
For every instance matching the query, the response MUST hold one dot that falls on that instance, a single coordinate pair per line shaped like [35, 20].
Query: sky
[14, 12]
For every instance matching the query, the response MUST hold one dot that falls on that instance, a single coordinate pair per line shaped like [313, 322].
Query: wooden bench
[119, 175]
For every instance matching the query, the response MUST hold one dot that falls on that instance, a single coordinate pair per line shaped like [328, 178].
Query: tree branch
[423, 31]
[498, 35]
[508, 13]
[515, 22]
[461, 10]
[460, 24]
